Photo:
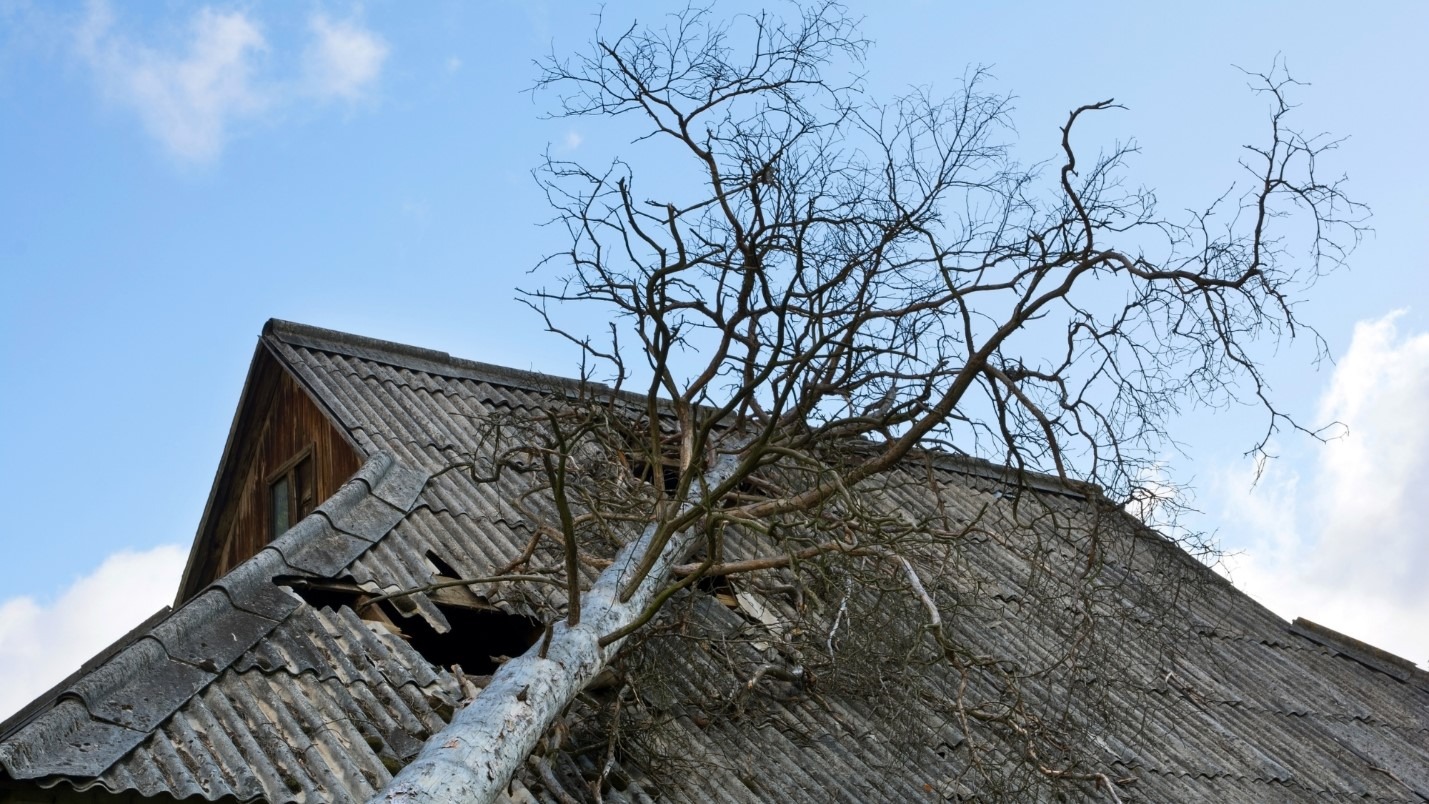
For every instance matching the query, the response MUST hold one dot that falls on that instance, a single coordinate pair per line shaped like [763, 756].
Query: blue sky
[172, 174]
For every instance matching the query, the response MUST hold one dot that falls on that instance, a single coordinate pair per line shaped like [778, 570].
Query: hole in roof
[662, 470]
[442, 567]
[719, 586]
[481, 638]
[616, 779]
[321, 594]
[669, 474]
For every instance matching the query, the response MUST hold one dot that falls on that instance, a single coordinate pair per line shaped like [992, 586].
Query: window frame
[287, 472]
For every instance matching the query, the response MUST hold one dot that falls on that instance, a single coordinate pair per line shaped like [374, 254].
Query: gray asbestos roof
[249, 693]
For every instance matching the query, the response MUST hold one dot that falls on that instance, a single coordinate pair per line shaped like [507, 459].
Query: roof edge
[419, 359]
[1366, 654]
[42, 702]
[243, 606]
[245, 401]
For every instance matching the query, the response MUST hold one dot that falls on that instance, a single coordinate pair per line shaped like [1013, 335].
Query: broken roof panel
[218, 700]
[252, 691]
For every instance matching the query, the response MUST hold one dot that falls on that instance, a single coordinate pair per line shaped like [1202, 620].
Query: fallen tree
[827, 287]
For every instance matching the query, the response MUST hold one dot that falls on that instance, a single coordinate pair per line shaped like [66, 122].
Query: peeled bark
[475, 756]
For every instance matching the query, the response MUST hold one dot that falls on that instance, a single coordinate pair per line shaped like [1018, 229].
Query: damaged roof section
[284, 681]
[246, 691]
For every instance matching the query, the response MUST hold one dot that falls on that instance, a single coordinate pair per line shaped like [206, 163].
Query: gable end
[277, 422]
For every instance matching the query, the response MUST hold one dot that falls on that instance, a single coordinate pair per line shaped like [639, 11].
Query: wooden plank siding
[277, 420]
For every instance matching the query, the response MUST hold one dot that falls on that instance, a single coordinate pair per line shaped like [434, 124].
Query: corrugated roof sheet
[249, 693]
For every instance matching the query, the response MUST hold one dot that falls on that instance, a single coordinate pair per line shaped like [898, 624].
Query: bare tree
[813, 292]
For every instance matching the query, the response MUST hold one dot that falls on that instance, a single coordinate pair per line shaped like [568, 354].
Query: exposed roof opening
[481, 637]
[715, 585]
[719, 587]
[667, 474]
[479, 640]
[323, 595]
[662, 469]
[441, 566]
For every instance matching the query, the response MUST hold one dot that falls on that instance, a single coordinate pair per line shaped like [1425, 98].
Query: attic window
[292, 493]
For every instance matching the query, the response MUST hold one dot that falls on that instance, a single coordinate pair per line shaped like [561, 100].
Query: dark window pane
[278, 495]
[306, 496]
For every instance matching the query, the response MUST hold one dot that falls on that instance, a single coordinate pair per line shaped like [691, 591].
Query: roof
[267, 685]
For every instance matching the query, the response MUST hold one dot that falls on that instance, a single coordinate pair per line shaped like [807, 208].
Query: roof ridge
[1371, 656]
[418, 358]
[42, 702]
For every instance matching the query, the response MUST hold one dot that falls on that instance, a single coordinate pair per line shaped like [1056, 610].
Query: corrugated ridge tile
[66, 741]
[210, 631]
[140, 687]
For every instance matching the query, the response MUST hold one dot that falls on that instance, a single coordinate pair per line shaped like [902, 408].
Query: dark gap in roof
[718, 586]
[645, 466]
[616, 779]
[442, 567]
[750, 487]
[480, 639]
[669, 473]
[322, 595]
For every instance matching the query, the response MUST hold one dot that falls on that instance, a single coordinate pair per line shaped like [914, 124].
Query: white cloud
[343, 59]
[189, 99]
[191, 94]
[1349, 546]
[40, 644]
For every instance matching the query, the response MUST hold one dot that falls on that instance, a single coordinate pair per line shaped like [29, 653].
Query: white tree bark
[474, 757]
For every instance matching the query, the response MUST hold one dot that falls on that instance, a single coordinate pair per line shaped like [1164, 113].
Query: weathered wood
[276, 422]
[460, 597]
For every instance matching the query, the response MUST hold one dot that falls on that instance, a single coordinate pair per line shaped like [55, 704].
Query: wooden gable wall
[277, 421]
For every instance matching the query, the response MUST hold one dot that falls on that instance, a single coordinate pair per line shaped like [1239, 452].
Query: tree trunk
[475, 756]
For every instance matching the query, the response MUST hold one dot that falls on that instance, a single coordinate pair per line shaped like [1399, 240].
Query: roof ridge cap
[1372, 656]
[357, 516]
[418, 358]
[439, 362]
[46, 700]
[987, 469]
[335, 340]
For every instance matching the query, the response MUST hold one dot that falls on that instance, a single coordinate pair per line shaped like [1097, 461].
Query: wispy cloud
[41, 644]
[344, 59]
[1346, 546]
[187, 99]
[192, 94]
